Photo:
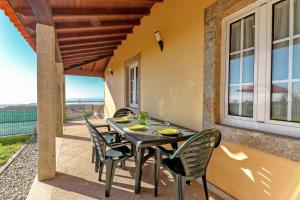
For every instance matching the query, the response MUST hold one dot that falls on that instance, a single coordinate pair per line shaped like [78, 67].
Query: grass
[10, 145]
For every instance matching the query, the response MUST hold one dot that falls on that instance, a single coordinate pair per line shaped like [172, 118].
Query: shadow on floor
[76, 137]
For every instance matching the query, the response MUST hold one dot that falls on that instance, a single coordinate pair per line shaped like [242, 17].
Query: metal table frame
[146, 139]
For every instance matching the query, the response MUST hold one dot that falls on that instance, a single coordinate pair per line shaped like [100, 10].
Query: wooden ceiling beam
[77, 72]
[78, 26]
[93, 34]
[88, 25]
[86, 12]
[88, 62]
[43, 15]
[75, 56]
[80, 58]
[99, 45]
[76, 51]
[66, 55]
[42, 12]
[96, 12]
[145, 0]
[91, 41]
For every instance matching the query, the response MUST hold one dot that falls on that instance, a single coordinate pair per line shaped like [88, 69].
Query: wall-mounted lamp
[110, 70]
[159, 40]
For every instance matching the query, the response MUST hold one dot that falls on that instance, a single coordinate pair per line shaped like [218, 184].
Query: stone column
[46, 98]
[59, 76]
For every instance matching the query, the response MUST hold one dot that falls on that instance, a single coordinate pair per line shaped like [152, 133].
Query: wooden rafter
[86, 53]
[79, 26]
[88, 62]
[94, 66]
[83, 45]
[43, 15]
[94, 12]
[93, 40]
[103, 44]
[78, 51]
[88, 12]
[93, 34]
[81, 58]
[84, 73]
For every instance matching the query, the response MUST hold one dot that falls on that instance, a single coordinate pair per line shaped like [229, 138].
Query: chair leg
[205, 186]
[93, 154]
[110, 171]
[123, 164]
[180, 187]
[97, 162]
[100, 170]
[157, 168]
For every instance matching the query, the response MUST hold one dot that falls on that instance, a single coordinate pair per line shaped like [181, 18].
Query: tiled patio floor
[76, 178]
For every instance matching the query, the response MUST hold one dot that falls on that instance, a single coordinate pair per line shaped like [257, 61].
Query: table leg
[138, 172]
[174, 145]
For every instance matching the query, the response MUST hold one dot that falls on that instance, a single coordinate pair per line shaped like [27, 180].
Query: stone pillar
[46, 98]
[59, 109]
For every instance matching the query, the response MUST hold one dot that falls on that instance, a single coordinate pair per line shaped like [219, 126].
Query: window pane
[234, 71]
[297, 17]
[280, 61]
[234, 104]
[248, 66]
[235, 36]
[281, 20]
[279, 101]
[296, 59]
[296, 102]
[247, 101]
[249, 31]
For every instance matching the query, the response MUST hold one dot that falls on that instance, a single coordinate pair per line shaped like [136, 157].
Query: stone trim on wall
[282, 146]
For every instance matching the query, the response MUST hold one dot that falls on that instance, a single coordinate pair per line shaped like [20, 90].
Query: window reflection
[279, 101]
[234, 102]
[296, 102]
[296, 59]
[280, 61]
[241, 67]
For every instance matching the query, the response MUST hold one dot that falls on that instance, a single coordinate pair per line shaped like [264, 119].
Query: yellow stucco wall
[168, 88]
[172, 88]
[249, 174]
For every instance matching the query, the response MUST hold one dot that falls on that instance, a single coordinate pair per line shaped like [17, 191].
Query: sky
[18, 71]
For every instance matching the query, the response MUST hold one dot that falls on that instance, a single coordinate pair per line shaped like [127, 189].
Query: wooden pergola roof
[87, 31]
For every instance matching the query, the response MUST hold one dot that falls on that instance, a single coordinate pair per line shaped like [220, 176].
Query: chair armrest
[120, 144]
[164, 151]
[103, 126]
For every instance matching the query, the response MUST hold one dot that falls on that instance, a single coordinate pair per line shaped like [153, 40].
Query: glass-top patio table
[145, 139]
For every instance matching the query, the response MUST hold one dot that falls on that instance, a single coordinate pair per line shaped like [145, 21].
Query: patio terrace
[76, 177]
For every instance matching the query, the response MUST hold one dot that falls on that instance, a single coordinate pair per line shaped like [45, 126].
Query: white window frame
[262, 75]
[134, 102]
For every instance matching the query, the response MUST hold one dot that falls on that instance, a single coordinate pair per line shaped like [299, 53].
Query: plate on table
[121, 119]
[135, 127]
[168, 131]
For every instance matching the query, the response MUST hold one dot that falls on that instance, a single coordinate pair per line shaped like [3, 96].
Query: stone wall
[282, 146]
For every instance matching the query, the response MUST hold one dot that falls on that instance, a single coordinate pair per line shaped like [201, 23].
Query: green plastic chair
[189, 161]
[123, 112]
[110, 136]
[109, 154]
